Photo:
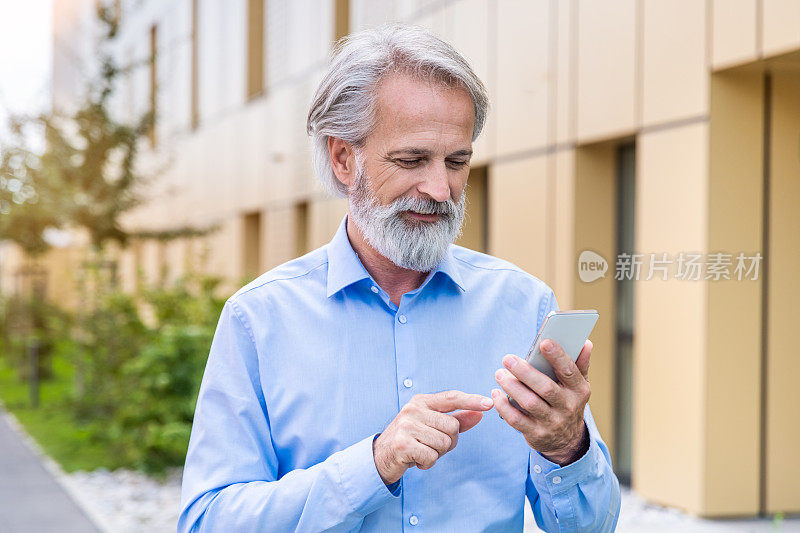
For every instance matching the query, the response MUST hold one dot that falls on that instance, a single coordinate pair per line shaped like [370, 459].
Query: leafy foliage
[86, 176]
[135, 384]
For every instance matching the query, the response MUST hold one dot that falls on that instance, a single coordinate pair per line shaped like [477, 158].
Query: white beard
[414, 245]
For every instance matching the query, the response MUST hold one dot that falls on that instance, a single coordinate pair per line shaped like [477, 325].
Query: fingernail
[547, 346]
[498, 375]
[510, 361]
[487, 402]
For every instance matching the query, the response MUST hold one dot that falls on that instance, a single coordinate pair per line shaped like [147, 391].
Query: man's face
[408, 196]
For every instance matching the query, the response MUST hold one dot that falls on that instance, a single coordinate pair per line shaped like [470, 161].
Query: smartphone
[570, 329]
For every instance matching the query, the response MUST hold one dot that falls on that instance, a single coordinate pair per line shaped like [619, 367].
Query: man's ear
[343, 160]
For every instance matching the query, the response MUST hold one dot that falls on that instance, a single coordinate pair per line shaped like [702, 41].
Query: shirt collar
[345, 268]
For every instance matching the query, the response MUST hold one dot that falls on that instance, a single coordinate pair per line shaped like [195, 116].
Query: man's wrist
[375, 458]
[573, 453]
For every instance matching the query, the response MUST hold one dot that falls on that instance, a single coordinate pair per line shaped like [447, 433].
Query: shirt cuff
[549, 475]
[360, 480]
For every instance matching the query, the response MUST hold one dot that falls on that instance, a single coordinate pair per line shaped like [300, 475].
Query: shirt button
[537, 469]
[557, 480]
[402, 319]
[413, 520]
[407, 382]
[374, 289]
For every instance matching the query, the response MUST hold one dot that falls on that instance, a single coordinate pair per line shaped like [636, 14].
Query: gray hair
[344, 104]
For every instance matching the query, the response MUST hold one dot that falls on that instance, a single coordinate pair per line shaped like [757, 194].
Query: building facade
[627, 128]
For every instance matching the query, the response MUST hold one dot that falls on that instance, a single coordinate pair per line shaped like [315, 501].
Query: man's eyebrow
[422, 151]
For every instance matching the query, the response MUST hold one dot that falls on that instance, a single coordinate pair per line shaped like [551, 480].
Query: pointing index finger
[450, 400]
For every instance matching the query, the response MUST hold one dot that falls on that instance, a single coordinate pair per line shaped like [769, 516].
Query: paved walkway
[31, 500]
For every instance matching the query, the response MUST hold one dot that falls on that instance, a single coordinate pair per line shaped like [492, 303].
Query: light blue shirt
[311, 361]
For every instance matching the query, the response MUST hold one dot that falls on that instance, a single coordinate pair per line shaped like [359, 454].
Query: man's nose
[436, 185]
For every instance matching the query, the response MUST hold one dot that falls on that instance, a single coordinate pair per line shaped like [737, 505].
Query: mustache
[425, 206]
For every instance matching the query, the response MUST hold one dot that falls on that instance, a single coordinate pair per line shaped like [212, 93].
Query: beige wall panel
[518, 223]
[522, 76]
[231, 161]
[594, 216]
[196, 250]
[324, 217]
[564, 258]
[211, 152]
[10, 259]
[466, 28]
[176, 205]
[669, 322]
[733, 361]
[606, 69]
[734, 32]
[127, 268]
[783, 366]
[174, 254]
[781, 26]
[408, 9]
[674, 71]
[152, 259]
[668, 420]
[223, 256]
[368, 13]
[432, 20]
[250, 191]
[279, 149]
[61, 264]
[565, 53]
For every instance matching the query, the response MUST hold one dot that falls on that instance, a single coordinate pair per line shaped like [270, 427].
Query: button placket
[408, 383]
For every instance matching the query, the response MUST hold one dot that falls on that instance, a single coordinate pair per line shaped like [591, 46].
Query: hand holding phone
[570, 329]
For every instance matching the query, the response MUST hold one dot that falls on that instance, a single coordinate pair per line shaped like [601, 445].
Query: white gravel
[127, 501]
[130, 502]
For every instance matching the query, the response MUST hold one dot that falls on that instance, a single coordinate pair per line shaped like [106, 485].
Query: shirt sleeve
[230, 479]
[581, 496]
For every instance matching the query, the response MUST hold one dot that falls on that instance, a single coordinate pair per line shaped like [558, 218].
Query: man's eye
[408, 162]
[459, 164]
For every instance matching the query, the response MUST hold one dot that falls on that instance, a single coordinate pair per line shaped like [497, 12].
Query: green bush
[109, 336]
[25, 320]
[135, 380]
[154, 422]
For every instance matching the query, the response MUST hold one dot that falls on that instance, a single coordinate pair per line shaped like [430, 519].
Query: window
[301, 228]
[626, 179]
[194, 111]
[341, 19]
[255, 48]
[251, 242]
[153, 84]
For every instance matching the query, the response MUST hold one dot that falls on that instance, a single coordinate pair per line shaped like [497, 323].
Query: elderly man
[338, 383]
